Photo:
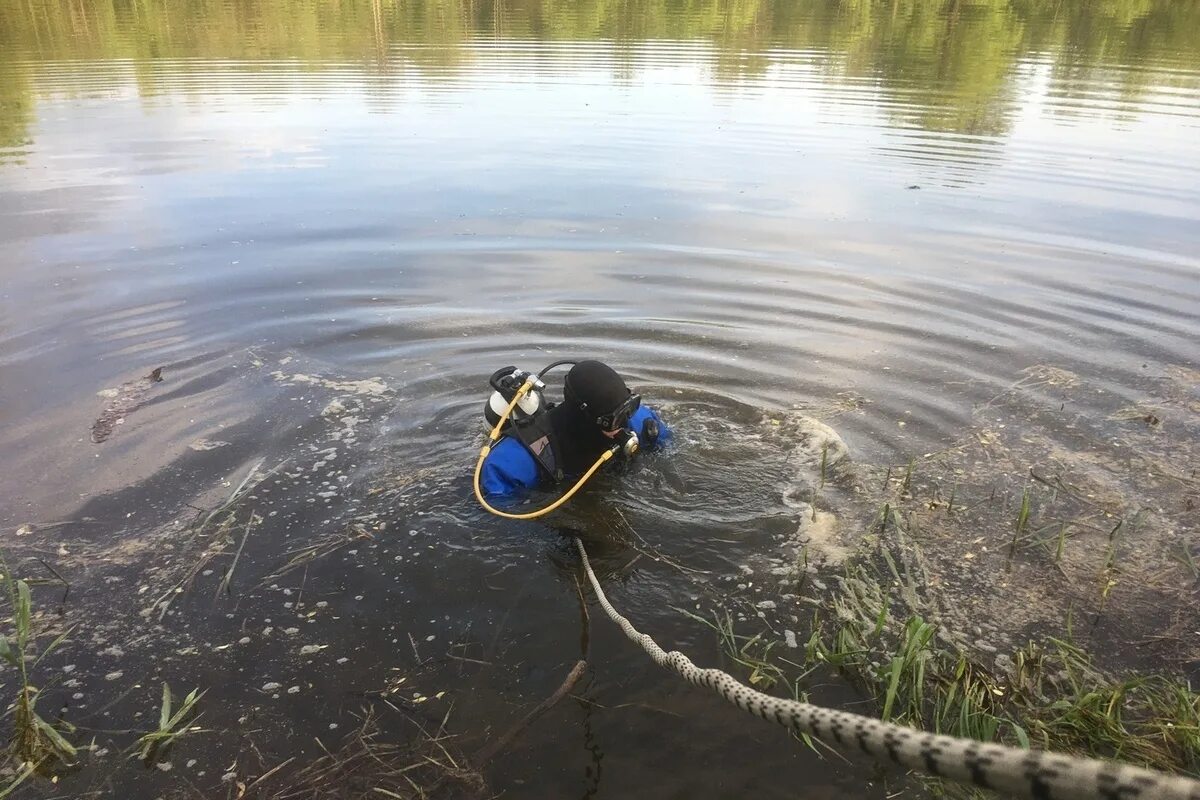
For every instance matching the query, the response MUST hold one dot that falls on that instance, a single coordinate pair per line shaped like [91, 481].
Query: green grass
[217, 529]
[171, 726]
[1148, 719]
[751, 652]
[1054, 697]
[764, 669]
[916, 680]
[35, 745]
[1019, 525]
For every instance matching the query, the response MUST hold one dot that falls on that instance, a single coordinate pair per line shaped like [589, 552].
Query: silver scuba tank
[505, 383]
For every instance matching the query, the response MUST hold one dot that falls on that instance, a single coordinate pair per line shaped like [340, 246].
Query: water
[880, 215]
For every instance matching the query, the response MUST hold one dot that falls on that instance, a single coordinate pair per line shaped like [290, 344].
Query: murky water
[329, 222]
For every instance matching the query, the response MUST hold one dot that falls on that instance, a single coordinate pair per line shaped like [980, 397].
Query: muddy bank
[1065, 501]
[1036, 580]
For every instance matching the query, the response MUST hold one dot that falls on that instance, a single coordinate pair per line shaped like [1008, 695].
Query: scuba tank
[528, 422]
[505, 383]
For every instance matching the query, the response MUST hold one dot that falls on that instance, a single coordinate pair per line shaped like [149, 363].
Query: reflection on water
[953, 66]
[328, 222]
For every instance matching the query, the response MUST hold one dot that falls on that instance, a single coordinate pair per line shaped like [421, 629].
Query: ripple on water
[965, 243]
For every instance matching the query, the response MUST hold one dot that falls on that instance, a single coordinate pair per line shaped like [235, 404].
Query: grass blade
[164, 714]
[50, 649]
[26, 770]
[22, 615]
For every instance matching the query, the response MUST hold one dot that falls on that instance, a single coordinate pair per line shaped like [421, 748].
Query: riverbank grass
[1054, 697]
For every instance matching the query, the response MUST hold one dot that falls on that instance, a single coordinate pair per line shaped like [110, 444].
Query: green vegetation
[754, 653]
[215, 531]
[953, 63]
[171, 726]
[36, 745]
[1054, 696]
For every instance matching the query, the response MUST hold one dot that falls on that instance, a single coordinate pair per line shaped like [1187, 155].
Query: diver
[559, 444]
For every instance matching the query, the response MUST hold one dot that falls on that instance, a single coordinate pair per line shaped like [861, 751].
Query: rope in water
[1023, 773]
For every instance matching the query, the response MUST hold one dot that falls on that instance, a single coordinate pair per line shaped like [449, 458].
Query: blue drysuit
[510, 469]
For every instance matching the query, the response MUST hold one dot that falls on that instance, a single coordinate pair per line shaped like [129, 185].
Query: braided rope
[1022, 773]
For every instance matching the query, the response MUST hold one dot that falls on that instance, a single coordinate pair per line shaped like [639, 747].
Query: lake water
[329, 222]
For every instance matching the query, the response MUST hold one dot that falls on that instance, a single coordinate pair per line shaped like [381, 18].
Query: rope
[1023, 773]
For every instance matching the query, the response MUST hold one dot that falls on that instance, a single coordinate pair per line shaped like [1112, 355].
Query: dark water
[874, 213]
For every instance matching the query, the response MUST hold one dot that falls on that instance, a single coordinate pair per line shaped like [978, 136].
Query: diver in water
[561, 444]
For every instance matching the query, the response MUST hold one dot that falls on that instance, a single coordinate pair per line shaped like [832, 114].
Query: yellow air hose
[487, 448]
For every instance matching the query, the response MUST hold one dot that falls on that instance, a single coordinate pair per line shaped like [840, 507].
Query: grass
[1148, 719]
[875, 626]
[36, 745]
[892, 629]
[755, 654]
[217, 526]
[1022, 521]
[915, 679]
[906, 484]
[907, 667]
[227, 578]
[366, 765]
[319, 548]
[751, 652]
[1054, 696]
[171, 726]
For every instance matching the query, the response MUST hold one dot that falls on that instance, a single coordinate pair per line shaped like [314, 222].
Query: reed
[36, 745]
[1019, 524]
[751, 652]
[906, 484]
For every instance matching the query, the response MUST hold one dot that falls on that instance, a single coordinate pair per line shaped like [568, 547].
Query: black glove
[649, 435]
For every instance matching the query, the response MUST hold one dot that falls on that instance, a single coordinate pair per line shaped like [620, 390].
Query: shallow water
[874, 214]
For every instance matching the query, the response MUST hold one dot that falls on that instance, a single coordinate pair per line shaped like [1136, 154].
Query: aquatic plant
[751, 652]
[1053, 695]
[171, 726]
[216, 529]
[36, 745]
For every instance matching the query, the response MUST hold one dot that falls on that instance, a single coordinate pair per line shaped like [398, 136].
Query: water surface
[878, 214]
